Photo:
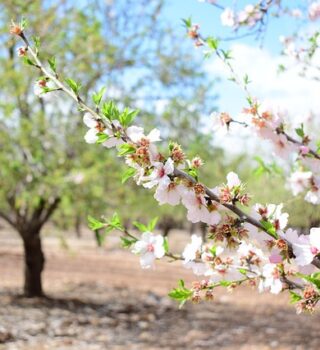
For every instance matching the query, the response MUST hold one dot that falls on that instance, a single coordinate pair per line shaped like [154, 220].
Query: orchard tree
[43, 160]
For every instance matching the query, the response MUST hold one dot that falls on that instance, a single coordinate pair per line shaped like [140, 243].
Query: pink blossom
[170, 194]
[271, 279]
[228, 18]
[197, 209]
[149, 247]
[307, 248]
[314, 10]
[159, 175]
[299, 181]
[233, 180]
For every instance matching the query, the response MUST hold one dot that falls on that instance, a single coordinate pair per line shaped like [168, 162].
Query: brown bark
[33, 264]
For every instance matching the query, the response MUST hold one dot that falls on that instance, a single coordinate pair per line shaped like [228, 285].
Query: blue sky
[208, 17]
[287, 92]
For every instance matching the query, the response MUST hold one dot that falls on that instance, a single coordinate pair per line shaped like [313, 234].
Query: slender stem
[56, 80]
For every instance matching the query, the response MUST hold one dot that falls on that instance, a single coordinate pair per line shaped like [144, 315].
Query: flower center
[150, 248]
[314, 250]
[161, 172]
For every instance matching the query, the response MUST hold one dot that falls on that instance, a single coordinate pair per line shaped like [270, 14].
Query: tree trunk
[34, 264]
[77, 226]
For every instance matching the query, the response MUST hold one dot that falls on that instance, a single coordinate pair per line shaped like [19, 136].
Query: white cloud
[286, 91]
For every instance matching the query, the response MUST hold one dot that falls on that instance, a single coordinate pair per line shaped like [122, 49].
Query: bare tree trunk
[34, 264]
[77, 226]
[203, 230]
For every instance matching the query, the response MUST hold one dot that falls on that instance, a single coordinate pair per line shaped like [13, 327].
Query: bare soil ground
[101, 299]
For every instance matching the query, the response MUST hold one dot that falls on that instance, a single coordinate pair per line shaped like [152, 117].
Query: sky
[286, 91]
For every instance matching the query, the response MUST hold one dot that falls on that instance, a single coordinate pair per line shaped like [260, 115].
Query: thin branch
[8, 219]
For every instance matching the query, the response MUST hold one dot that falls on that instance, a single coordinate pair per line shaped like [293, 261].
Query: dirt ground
[101, 299]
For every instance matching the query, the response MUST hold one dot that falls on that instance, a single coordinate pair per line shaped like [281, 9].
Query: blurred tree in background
[46, 168]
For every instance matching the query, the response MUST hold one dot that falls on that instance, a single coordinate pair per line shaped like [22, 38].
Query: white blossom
[149, 247]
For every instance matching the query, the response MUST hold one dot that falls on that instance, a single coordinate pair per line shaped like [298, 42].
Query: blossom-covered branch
[253, 248]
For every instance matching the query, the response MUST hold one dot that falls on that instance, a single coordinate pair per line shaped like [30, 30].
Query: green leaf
[152, 224]
[294, 297]
[28, 61]
[110, 110]
[181, 293]
[125, 149]
[281, 68]
[213, 250]
[187, 22]
[226, 54]
[243, 271]
[127, 174]
[246, 79]
[102, 137]
[141, 227]
[300, 131]
[23, 23]
[313, 278]
[52, 64]
[75, 87]
[193, 172]
[46, 89]
[97, 96]
[166, 244]
[225, 283]
[181, 283]
[212, 43]
[127, 242]
[127, 116]
[36, 41]
[100, 237]
[95, 224]
[115, 222]
[268, 226]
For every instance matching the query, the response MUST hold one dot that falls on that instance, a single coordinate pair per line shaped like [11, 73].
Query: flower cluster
[249, 16]
[314, 10]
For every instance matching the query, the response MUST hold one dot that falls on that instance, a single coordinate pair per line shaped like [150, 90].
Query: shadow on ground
[116, 318]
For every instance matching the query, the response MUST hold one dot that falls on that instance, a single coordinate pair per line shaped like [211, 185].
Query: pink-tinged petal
[91, 136]
[140, 247]
[198, 269]
[135, 133]
[164, 195]
[147, 237]
[233, 180]
[89, 121]
[307, 269]
[158, 247]
[275, 258]
[213, 218]
[150, 184]
[276, 286]
[290, 235]
[147, 260]
[193, 216]
[169, 167]
[303, 254]
[154, 135]
[112, 142]
[315, 237]
[313, 197]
